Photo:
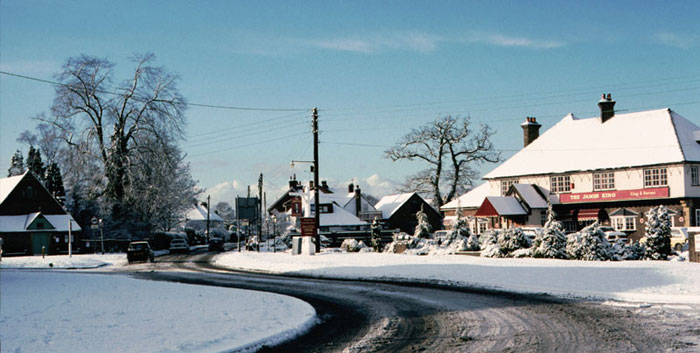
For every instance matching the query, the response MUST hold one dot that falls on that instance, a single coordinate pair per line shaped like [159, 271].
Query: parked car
[216, 244]
[440, 235]
[679, 237]
[613, 235]
[139, 251]
[531, 232]
[179, 245]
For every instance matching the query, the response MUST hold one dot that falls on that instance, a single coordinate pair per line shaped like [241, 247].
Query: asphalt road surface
[365, 316]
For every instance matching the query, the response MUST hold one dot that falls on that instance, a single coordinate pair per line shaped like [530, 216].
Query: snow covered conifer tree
[551, 242]
[490, 247]
[511, 240]
[658, 234]
[16, 165]
[54, 181]
[423, 229]
[589, 244]
[34, 163]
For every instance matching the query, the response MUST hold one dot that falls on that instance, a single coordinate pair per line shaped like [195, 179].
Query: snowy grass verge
[64, 261]
[630, 281]
[54, 311]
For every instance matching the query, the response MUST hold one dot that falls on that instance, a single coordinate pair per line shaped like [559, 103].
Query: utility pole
[208, 202]
[317, 214]
[260, 197]
[238, 226]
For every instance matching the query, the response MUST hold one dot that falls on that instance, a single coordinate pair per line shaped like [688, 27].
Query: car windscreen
[137, 246]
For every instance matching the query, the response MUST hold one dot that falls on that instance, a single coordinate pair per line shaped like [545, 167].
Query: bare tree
[451, 148]
[107, 121]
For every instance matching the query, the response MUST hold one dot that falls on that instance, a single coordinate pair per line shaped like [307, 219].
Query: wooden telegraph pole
[317, 214]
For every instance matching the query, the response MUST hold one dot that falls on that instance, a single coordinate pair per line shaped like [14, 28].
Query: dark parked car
[139, 251]
[216, 244]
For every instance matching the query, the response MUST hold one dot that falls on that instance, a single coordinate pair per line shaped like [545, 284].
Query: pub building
[612, 168]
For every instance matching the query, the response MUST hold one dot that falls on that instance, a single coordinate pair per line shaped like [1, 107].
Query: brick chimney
[293, 183]
[607, 108]
[358, 201]
[531, 130]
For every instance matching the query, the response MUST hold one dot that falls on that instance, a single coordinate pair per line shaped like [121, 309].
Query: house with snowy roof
[196, 218]
[399, 212]
[612, 168]
[31, 219]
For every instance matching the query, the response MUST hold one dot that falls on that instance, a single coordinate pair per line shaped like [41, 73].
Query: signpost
[308, 227]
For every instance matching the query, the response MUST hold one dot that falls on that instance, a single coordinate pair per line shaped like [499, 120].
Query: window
[561, 183]
[603, 181]
[324, 207]
[697, 218]
[655, 177]
[694, 177]
[543, 217]
[505, 185]
[624, 223]
[28, 193]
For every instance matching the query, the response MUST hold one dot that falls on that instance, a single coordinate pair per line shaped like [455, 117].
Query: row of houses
[611, 168]
[346, 213]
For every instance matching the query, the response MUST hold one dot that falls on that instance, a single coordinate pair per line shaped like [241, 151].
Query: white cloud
[502, 40]
[676, 40]
[226, 192]
[376, 185]
[420, 42]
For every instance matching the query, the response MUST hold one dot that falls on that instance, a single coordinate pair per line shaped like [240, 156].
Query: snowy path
[51, 311]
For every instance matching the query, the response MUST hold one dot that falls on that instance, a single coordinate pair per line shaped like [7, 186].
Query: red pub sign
[614, 195]
[308, 227]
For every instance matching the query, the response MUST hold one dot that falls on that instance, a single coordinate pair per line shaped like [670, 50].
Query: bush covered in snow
[589, 244]
[503, 243]
[352, 245]
[423, 229]
[624, 251]
[658, 234]
[551, 242]
[490, 247]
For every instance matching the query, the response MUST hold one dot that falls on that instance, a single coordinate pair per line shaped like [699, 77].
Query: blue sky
[375, 69]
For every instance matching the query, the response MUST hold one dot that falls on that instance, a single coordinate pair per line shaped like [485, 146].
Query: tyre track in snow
[378, 316]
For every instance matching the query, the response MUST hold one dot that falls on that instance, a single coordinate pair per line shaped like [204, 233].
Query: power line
[250, 144]
[202, 105]
[246, 125]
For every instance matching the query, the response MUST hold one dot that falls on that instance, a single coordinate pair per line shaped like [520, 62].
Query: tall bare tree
[108, 121]
[451, 147]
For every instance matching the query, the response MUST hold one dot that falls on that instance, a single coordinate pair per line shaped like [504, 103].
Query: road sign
[308, 227]
[94, 221]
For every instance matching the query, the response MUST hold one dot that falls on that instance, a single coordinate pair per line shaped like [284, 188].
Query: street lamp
[274, 234]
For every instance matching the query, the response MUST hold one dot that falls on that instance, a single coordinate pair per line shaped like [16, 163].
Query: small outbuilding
[399, 212]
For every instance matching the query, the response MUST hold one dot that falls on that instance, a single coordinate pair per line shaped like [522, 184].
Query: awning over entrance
[494, 206]
[589, 214]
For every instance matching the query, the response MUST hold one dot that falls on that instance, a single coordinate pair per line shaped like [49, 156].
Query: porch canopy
[494, 206]
[588, 214]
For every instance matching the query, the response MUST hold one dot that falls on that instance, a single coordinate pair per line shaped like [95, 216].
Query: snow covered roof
[500, 206]
[625, 140]
[16, 224]
[531, 195]
[340, 217]
[472, 199]
[8, 184]
[199, 213]
[391, 203]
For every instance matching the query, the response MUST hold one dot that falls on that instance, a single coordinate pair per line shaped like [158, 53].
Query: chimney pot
[351, 188]
[607, 108]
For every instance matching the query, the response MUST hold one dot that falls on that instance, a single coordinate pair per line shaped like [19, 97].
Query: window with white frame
[603, 181]
[655, 177]
[561, 183]
[694, 176]
[624, 223]
[505, 185]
